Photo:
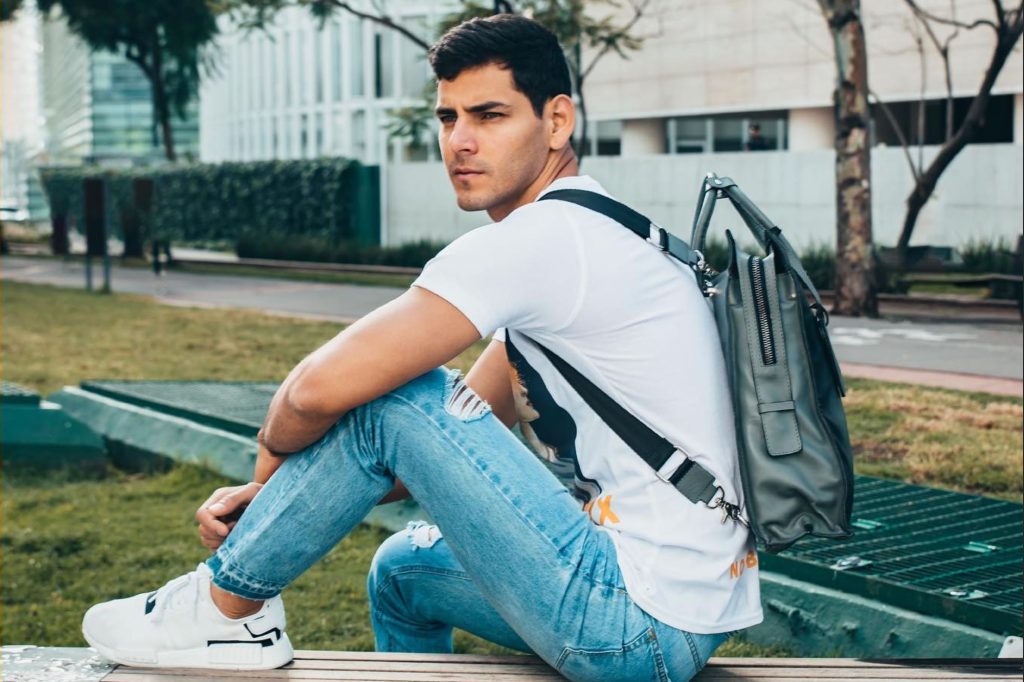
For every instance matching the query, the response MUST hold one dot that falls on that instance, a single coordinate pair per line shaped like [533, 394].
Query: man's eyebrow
[475, 109]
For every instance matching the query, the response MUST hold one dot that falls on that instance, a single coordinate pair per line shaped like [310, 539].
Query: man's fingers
[218, 515]
[209, 522]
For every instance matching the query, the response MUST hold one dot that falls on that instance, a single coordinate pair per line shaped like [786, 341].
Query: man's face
[493, 144]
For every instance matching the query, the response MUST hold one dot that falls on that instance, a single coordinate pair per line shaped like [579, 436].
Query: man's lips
[465, 173]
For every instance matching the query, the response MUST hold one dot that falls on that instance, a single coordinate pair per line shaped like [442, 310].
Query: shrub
[990, 256]
[316, 249]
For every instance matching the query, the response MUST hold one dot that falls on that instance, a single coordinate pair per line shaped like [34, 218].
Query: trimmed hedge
[332, 200]
[312, 249]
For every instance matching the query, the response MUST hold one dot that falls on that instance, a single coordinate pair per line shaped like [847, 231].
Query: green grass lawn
[71, 539]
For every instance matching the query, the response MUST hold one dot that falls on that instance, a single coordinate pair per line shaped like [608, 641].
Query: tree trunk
[59, 236]
[577, 74]
[584, 142]
[968, 130]
[161, 108]
[855, 287]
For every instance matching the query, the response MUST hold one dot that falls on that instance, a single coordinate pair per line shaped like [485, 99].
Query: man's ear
[562, 114]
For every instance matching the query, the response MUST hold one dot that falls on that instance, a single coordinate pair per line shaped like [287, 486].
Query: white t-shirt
[630, 319]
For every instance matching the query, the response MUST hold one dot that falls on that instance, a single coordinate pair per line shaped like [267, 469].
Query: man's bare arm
[391, 346]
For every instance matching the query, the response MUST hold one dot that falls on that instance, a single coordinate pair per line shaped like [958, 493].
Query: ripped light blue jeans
[513, 558]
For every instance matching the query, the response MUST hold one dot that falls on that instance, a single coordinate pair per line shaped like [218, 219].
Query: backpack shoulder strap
[635, 222]
[695, 482]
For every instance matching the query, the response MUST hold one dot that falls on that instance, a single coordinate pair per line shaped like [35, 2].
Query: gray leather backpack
[794, 450]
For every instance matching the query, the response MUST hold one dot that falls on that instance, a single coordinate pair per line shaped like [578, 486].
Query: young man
[623, 578]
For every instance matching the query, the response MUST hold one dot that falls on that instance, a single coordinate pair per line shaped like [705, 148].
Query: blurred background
[669, 89]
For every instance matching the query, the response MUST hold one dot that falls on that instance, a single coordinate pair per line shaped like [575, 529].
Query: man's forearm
[291, 424]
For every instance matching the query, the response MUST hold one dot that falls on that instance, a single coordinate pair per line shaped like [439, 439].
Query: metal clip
[729, 510]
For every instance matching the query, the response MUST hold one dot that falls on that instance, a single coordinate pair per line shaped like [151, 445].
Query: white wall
[754, 55]
[643, 136]
[811, 128]
[978, 197]
[421, 205]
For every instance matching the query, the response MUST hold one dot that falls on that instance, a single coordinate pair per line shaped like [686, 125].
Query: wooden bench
[31, 664]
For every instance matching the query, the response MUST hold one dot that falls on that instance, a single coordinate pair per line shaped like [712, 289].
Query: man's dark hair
[519, 44]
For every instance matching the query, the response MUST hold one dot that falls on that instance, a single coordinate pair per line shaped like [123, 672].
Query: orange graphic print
[737, 568]
[604, 507]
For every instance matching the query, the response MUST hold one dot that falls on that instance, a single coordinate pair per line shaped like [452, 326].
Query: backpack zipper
[764, 323]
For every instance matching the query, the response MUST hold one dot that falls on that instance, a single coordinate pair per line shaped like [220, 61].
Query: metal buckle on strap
[658, 237]
[671, 466]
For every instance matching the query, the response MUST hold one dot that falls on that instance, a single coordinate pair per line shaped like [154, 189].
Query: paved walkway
[954, 354]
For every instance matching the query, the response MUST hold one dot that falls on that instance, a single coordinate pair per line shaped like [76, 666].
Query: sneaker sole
[240, 656]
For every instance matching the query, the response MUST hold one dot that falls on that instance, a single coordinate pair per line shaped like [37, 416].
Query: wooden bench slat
[999, 663]
[522, 659]
[151, 675]
[416, 666]
[754, 676]
[863, 673]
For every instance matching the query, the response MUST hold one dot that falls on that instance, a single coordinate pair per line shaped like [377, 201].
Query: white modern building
[21, 122]
[709, 69]
[679, 106]
[301, 90]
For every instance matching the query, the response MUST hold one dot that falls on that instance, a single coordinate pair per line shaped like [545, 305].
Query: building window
[727, 133]
[318, 65]
[335, 72]
[285, 64]
[605, 138]
[383, 65]
[997, 124]
[356, 58]
[359, 135]
[302, 48]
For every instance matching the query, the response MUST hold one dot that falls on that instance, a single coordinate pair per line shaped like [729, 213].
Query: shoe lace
[186, 586]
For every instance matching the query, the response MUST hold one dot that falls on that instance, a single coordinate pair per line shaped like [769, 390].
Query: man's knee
[400, 552]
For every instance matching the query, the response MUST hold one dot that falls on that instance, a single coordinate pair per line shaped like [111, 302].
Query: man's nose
[462, 139]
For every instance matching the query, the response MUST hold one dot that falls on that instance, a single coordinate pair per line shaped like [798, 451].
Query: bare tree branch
[382, 20]
[639, 6]
[916, 9]
[899, 133]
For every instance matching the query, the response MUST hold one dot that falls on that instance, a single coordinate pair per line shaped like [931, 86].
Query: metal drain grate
[238, 407]
[935, 552]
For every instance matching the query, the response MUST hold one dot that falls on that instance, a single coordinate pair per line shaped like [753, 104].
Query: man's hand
[219, 514]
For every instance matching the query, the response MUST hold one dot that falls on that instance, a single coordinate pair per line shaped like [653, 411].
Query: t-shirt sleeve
[523, 273]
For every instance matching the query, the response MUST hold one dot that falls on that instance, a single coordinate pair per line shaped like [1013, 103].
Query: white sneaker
[178, 626]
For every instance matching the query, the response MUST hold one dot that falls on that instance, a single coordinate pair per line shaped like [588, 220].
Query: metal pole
[106, 272]
[88, 273]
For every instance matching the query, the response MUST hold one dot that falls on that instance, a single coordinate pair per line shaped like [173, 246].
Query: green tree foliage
[164, 38]
[8, 8]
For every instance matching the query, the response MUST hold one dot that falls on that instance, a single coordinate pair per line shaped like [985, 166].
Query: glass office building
[98, 105]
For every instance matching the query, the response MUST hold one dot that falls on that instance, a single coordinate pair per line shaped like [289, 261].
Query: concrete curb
[923, 377]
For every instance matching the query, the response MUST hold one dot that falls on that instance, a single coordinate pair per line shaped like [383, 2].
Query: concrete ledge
[810, 620]
[138, 430]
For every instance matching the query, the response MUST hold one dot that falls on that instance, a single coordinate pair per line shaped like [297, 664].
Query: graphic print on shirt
[547, 426]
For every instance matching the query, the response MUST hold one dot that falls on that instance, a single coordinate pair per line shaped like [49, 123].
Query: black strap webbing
[624, 215]
[691, 479]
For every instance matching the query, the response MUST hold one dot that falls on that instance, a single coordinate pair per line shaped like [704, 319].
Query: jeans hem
[239, 584]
